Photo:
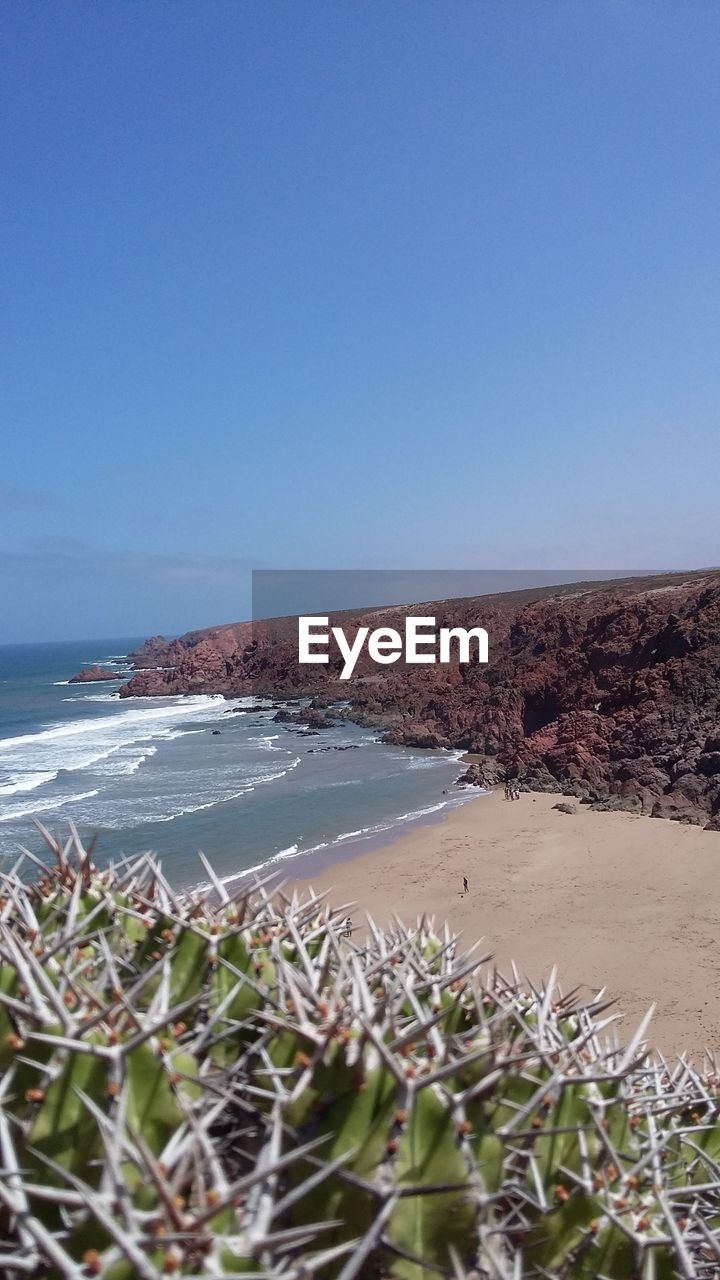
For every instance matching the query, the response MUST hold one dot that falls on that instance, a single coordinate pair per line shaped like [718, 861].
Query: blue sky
[350, 285]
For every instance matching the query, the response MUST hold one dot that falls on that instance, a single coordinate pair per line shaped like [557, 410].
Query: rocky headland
[607, 691]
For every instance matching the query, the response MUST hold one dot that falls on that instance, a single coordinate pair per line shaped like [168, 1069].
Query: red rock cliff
[609, 690]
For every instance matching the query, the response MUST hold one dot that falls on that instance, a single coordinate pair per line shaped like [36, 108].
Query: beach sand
[614, 900]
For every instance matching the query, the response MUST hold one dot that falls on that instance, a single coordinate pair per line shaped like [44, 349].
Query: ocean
[178, 775]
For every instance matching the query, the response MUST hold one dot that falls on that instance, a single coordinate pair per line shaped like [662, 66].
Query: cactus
[226, 1086]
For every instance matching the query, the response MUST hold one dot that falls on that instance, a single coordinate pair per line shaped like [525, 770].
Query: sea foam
[42, 806]
[34, 760]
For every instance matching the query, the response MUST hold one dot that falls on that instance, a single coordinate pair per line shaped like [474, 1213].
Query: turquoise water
[181, 774]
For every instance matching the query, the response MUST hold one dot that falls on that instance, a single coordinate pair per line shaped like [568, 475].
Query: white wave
[197, 808]
[60, 682]
[262, 779]
[126, 809]
[265, 741]
[362, 833]
[433, 763]
[293, 851]
[377, 828]
[204, 886]
[171, 709]
[124, 765]
[391, 824]
[26, 782]
[79, 744]
[193, 806]
[44, 805]
[422, 813]
[81, 683]
[96, 697]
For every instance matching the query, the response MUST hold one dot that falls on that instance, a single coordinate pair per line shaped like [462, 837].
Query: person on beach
[465, 884]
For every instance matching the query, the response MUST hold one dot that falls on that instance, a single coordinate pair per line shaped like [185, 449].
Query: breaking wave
[42, 806]
[32, 760]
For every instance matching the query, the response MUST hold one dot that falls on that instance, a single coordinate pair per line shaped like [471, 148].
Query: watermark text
[422, 642]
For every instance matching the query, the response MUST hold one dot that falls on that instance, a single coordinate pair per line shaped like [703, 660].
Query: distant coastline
[243, 779]
[607, 690]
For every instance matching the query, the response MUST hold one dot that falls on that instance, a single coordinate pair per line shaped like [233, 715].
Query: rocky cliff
[610, 691]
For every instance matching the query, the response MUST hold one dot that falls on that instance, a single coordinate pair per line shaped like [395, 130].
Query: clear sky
[323, 283]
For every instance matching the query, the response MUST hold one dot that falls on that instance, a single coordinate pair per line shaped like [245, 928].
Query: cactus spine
[217, 1086]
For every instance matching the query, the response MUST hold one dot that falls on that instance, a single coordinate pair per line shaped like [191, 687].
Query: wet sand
[617, 901]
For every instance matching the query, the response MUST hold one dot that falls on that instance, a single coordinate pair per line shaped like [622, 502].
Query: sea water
[182, 774]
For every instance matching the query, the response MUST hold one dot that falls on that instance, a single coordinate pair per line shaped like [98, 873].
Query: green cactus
[228, 1087]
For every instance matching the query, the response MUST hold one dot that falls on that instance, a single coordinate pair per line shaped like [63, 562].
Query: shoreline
[320, 860]
[615, 900]
[50, 770]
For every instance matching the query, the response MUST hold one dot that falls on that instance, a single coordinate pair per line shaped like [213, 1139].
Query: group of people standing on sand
[512, 789]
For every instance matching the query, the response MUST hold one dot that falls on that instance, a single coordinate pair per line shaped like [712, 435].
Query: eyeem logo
[422, 643]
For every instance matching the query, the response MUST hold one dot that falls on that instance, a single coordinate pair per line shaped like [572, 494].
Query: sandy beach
[614, 900]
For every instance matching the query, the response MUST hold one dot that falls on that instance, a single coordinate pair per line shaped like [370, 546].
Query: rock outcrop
[89, 675]
[308, 716]
[606, 691]
[485, 775]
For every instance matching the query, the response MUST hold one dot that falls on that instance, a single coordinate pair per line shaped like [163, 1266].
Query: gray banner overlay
[278, 593]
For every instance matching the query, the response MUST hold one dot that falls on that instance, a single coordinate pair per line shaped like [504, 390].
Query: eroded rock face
[608, 692]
